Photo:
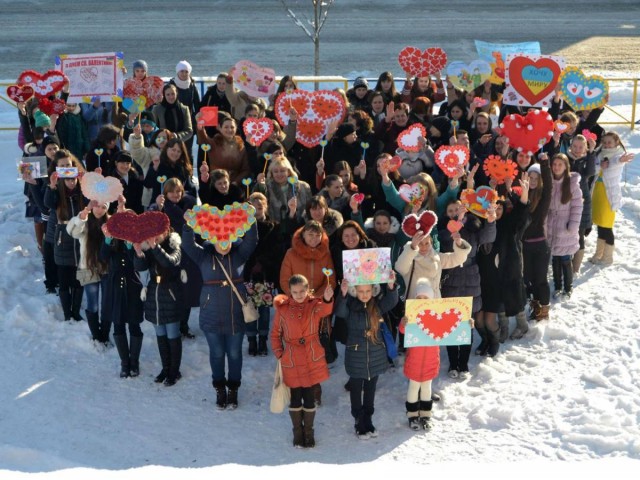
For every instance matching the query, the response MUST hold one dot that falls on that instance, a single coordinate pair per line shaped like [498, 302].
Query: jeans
[92, 294]
[169, 330]
[221, 346]
[260, 326]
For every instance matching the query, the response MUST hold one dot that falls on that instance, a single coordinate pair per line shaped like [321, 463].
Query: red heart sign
[523, 76]
[424, 222]
[529, 133]
[439, 325]
[454, 226]
[257, 130]
[45, 84]
[57, 106]
[20, 93]
[422, 63]
[451, 158]
[498, 169]
[137, 228]
[391, 164]
[408, 139]
[222, 226]
[358, 198]
[310, 132]
[150, 87]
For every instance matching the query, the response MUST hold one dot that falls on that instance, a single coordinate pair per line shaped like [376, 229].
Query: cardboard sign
[413, 194]
[35, 167]
[67, 172]
[438, 321]
[93, 76]
[257, 130]
[20, 93]
[253, 79]
[134, 228]
[367, 266]
[451, 158]
[529, 133]
[408, 140]
[208, 117]
[468, 77]
[582, 92]
[424, 223]
[498, 169]
[221, 226]
[135, 105]
[478, 201]
[101, 189]
[57, 106]
[43, 85]
[421, 63]
[150, 88]
[531, 79]
[496, 55]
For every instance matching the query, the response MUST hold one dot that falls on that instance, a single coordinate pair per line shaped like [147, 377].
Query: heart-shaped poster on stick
[257, 130]
[589, 135]
[57, 106]
[583, 92]
[498, 169]
[434, 322]
[137, 228]
[150, 88]
[424, 223]
[454, 226]
[101, 189]
[20, 93]
[451, 159]
[413, 194]
[421, 63]
[221, 226]
[560, 126]
[391, 164]
[531, 79]
[468, 77]
[529, 133]
[45, 84]
[479, 201]
[135, 105]
[408, 139]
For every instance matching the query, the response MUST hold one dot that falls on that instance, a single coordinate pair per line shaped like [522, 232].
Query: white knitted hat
[183, 65]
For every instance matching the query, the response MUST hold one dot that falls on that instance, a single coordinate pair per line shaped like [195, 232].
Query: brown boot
[577, 261]
[607, 256]
[599, 251]
[543, 313]
[308, 417]
[296, 421]
[535, 309]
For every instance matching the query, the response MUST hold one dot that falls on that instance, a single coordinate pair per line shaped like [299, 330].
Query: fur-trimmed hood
[305, 251]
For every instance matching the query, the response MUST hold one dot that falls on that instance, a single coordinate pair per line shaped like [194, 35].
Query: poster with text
[531, 79]
[93, 76]
[439, 321]
[366, 266]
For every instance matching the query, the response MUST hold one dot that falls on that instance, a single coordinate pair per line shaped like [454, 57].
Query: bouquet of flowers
[261, 293]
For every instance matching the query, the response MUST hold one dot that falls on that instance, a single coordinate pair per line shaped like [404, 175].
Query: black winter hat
[344, 130]
[48, 141]
[443, 124]
[124, 156]
[360, 82]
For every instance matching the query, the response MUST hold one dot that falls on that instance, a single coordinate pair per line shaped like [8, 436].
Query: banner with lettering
[93, 76]
[531, 79]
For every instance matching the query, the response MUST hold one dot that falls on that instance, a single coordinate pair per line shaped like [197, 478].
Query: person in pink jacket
[563, 222]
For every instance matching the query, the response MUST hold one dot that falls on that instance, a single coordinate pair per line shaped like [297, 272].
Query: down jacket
[421, 363]
[563, 220]
[295, 340]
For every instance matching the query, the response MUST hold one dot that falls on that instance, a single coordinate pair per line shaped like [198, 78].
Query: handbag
[389, 343]
[249, 311]
[280, 394]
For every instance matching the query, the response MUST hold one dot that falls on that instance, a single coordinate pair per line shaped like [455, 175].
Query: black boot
[123, 351]
[413, 416]
[184, 324]
[368, 416]
[76, 303]
[493, 337]
[361, 426]
[483, 348]
[232, 394]
[93, 321]
[105, 331]
[175, 359]
[298, 431]
[253, 346]
[65, 302]
[262, 346]
[165, 352]
[221, 393]
[308, 417]
[135, 345]
[425, 413]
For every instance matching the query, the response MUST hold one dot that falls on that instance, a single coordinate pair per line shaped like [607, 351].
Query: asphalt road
[358, 35]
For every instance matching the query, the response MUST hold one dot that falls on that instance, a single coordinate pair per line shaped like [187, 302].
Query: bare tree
[312, 27]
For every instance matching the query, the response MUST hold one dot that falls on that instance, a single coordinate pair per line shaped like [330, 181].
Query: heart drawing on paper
[439, 325]
[583, 92]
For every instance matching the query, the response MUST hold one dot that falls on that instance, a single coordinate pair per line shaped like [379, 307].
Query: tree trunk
[316, 60]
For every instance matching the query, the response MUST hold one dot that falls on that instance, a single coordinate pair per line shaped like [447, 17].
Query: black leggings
[121, 329]
[363, 395]
[606, 234]
[536, 264]
[302, 397]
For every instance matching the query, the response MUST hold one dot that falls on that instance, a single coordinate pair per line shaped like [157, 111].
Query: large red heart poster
[419, 63]
[222, 226]
[531, 79]
[150, 88]
[137, 228]
[529, 133]
[43, 84]
[438, 321]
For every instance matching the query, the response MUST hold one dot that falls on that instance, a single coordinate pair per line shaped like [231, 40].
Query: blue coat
[220, 309]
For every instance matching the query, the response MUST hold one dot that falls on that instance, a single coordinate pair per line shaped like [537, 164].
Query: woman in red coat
[421, 366]
[296, 343]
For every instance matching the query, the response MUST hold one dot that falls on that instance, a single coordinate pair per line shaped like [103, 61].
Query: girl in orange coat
[296, 343]
[421, 366]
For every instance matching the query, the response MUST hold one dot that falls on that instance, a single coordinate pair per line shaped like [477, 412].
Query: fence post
[634, 101]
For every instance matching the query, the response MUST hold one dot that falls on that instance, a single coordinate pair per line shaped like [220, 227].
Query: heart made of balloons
[439, 325]
[408, 138]
[421, 63]
[43, 84]
[137, 228]
[20, 93]
[150, 88]
[498, 169]
[412, 194]
[101, 189]
[534, 79]
[257, 130]
[450, 158]
[583, 92]
[529, 133]
[391, 164]
[468, 77]
[478, 201]
[221, 226]
[424, 222]
[57, 106]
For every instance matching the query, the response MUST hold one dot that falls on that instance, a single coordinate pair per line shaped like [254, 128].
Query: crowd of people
[345, 197]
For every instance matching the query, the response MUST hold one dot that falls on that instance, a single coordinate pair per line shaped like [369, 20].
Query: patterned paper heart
[582, 92]
[468, 77]
[422, 63]
[135, 105]
[45, 84]
[534, 78]
[413, 194]
[150, 88]
[478, 201]
[561, 127]
[498, 169]
[327, 271]
[529, 133]
[391, 164]
[454, 226]
[423, 222]
[439, 325]
[101, 189]
[310, 132]
[589, 135]
[257, 130]
[358, 198]
[299, 100]
[221, 226]
[57, 106]
[137, 228]
[408, 139]
[20, 93]
[451, 158]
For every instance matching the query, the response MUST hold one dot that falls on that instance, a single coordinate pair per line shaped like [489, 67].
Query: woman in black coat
[132, 186]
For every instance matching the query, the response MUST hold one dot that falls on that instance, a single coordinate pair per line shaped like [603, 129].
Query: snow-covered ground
[564, 400]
